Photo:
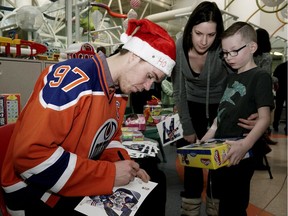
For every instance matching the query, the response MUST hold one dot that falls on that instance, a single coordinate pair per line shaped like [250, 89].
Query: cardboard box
[131, 134]
[136, 120]
[207, 155]
[152, 114]
[9, 108]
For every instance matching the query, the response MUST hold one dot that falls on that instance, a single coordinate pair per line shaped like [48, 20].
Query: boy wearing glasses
[249, 90]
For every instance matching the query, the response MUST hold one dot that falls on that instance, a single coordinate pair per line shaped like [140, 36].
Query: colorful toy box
[9, 108]
[207, 155]
[152, 111]
[152, 114]
[136, 120]
[131, 134]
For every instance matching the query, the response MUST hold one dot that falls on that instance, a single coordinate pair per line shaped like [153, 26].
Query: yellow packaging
[207, 155]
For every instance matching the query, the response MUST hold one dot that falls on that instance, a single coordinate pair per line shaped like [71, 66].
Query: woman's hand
[248, 123]
[190, 138]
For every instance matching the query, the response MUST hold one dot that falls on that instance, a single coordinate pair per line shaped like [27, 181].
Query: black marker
[120, 155]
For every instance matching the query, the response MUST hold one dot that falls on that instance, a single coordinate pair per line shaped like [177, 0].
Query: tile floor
[268, 196]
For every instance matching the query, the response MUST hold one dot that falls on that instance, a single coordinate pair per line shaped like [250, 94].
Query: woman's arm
[179, 94]
[260, 127]
[248, 123]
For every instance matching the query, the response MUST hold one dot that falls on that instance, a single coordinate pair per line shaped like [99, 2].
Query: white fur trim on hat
[148, 53]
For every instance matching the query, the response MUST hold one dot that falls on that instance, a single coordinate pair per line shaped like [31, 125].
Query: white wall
[245, 9]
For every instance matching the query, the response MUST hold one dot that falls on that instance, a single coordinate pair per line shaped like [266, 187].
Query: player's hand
[237, 151]
[126, 171]
[190, 138]
[142, 174]
[248, 123]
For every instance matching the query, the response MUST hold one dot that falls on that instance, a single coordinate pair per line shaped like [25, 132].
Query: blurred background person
[263, 59]
[281, 95]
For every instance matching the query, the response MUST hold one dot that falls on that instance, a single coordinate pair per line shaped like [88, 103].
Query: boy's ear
[253, 47]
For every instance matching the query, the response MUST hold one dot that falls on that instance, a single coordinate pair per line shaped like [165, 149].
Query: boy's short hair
[246, 31]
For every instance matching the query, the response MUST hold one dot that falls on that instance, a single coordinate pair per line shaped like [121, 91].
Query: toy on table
[152, 111]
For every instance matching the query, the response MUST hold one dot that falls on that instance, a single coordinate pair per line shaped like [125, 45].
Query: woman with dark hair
[198, 81]
[199, 78]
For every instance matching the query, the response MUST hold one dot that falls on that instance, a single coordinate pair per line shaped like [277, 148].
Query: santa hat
[150, 42]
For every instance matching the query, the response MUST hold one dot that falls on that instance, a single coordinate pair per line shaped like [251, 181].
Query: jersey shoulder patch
[67, 81]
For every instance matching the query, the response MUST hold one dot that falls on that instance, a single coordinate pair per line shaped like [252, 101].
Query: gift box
[131, 134]
[136, 120]
[152, 114]
[152, 111]
[207, 155]
[9, 108]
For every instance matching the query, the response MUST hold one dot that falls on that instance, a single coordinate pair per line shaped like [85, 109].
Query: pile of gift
[134, 124]
[131, 134]
[152, 111]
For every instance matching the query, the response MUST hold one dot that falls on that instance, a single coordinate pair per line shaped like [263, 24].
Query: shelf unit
[20, 75]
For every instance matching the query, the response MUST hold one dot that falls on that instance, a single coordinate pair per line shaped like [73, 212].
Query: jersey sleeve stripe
[46, 164]
[50, 176]
[64, 178]
[66, 175]
[53, 173]
[15, 187]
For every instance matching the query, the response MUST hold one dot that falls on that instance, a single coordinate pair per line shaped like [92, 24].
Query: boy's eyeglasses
[232, 53]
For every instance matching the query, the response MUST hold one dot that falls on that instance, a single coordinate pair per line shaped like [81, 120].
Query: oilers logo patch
[102, 138]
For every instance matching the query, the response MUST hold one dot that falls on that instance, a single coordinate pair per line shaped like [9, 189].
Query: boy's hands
[237, 151]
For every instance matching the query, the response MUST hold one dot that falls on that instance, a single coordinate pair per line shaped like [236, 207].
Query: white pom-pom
[124, 37]
[132, 14]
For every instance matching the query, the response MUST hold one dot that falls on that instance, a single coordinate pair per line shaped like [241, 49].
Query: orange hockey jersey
[67, 136]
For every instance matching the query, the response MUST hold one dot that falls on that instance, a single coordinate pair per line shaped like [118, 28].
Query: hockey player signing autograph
[66, 141]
